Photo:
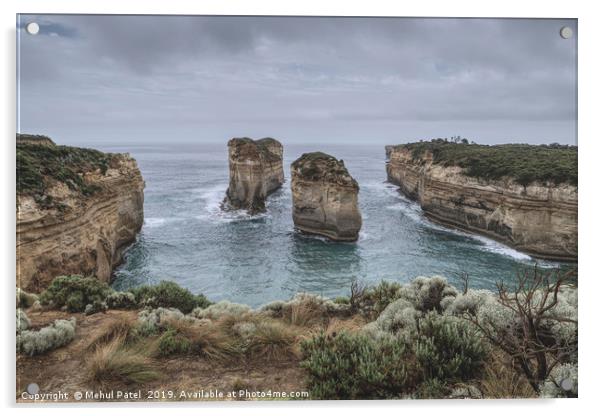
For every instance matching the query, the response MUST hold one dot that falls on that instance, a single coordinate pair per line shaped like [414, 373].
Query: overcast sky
[91, 79]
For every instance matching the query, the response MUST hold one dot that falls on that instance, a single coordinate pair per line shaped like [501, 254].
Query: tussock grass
[273, 340]
[501, 381]
[121, 329]
[115, 362]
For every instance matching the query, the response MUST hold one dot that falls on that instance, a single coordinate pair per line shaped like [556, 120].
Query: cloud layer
[383, 80]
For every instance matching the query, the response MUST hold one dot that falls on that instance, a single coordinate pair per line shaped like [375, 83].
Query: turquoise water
[188, 239]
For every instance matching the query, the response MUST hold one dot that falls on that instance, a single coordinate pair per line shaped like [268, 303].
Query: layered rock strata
[255, 172]
[539, 219]
[325, 197]
[77, 211]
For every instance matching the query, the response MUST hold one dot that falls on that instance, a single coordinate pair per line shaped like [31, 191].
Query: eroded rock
[325, 197]
[255, 172]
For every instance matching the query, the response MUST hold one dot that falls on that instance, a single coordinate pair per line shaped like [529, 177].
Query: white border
[590, 157]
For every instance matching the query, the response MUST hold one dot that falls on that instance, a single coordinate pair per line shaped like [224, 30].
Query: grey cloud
[495, 79]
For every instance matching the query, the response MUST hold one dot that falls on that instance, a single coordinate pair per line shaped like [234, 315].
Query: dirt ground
[181, 378]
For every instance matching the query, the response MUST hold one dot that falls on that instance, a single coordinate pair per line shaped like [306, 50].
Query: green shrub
[121, 300]
[448, 348]
[173, 343]
[25, 300]
[74, 292]
[562, 382]
[372, 301]
[57, 334]
[23, 321]
[169, 295]
[346, 366]
[220, 309]
[523, 162]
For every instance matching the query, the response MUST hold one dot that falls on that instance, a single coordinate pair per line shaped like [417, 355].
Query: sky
[95, 79]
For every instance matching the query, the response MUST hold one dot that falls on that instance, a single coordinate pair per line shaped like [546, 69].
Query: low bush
[169, 295]
[306, 309]
[121, 300]
[74, 292]
[59, 333]
[370, 302]
[25, 300]
[346, 366]
[220, 309]
[23, 321]
[173, 343]
[448, 349]
[562, 382]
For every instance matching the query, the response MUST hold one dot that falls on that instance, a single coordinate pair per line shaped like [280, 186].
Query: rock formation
[255, 172]
[325, 197]
[539, 218]
[77, 211]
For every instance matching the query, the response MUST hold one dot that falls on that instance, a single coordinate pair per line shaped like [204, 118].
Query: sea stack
[77, 211]
[325, 197]
[255, 172]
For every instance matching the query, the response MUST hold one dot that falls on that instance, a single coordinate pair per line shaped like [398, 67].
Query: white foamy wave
[495, 247]
[212, 210]
[363, 236]
[154, 222]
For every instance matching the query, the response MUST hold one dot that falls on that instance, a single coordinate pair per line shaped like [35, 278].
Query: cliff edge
[521, 195]
[325, 197]
[77, 211]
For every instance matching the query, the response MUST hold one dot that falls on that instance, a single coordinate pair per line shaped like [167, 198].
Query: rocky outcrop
[77, 211]
[539, 218]
[255, 172]
[325, 197]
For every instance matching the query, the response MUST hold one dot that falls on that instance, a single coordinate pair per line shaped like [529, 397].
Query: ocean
[188, 239]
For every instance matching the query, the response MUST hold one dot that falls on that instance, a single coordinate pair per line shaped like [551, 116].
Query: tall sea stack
[325, 197]
[255, 172]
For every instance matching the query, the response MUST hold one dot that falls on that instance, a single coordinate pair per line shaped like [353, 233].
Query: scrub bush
[346, 366]
[121, 300]
[59, 333]
[74, 292]
[448, 349]
[173, 343]
[23, 321]
[562, 382]
[169, 295]
[220, 309]
[25, 300]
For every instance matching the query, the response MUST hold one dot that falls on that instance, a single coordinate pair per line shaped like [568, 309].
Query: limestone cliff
[325, 197]
[255, 172]
[539, 218]
[77, 211]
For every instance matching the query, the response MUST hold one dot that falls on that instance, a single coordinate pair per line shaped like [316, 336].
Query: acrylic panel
[307, 208]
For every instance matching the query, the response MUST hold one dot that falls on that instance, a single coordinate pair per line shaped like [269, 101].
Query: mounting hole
[33, 388]
[566, 384]
[32, 28]
[566, 32]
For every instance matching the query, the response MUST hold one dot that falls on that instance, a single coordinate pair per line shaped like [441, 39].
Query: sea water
[188, 239]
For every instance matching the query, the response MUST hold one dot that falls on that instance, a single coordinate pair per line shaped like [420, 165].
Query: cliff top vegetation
[39, 165]
[321, 166]
[264, 148]
[524, 163]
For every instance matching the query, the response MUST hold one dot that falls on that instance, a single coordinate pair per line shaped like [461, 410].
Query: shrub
[173, 343]
[448, 349]
[150, 321]
[74, 292]
[25, 300]
[169, 295]
[116, 363]
[59, 333]
[370, 302]
[400, 315]
[95, 307]
[121, 300]
[306, 309]
[428, 293]
[23, 321]
[348, 366]
[562, 382]
[220, 309]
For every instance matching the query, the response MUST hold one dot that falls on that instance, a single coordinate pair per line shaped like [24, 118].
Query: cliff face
[539, 219]
[325, 197]
[255, 172]
[77, 210]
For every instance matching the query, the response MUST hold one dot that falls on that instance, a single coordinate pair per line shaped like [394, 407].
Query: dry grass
[336, 325]
[306, 313]
[501, 381]
[116, 363]
[275, 341]
[120, 329]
